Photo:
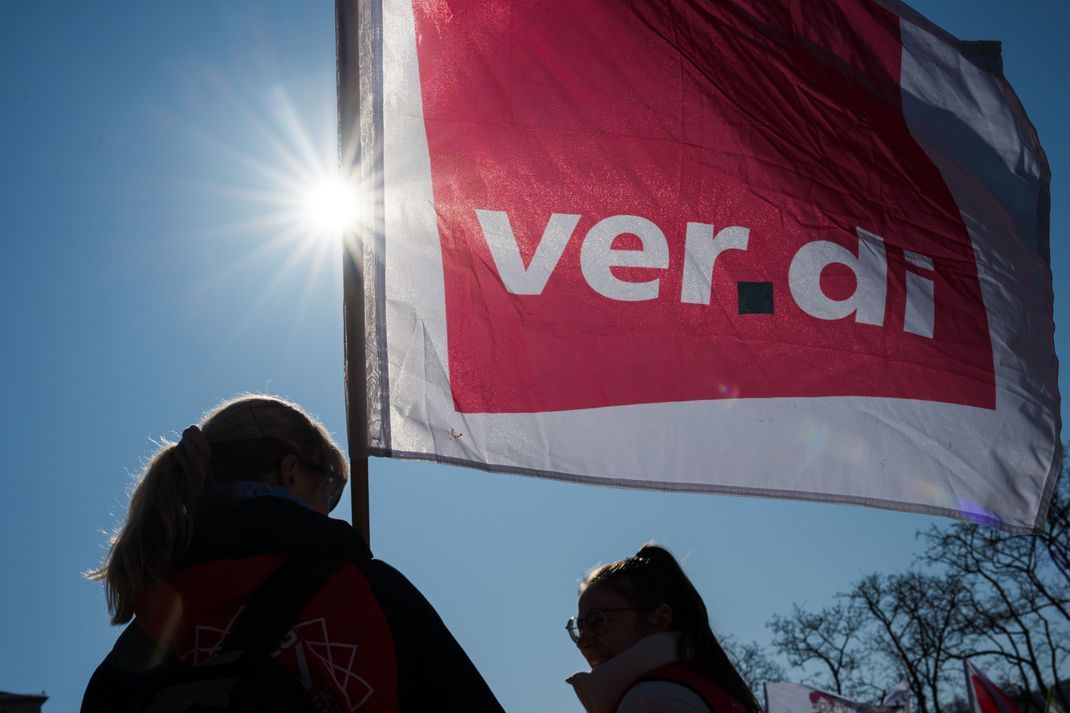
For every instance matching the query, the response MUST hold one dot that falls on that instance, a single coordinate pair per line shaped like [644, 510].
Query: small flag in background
[800, 698]
[771, 248]
[985, 696]
[898, 696]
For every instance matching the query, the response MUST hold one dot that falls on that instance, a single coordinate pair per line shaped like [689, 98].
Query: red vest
[713, 695]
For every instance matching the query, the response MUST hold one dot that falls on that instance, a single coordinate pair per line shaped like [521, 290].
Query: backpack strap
[275, 606]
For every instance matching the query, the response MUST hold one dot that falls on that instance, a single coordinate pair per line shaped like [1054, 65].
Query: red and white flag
[799, 698]
[985, 696]
[762, 247]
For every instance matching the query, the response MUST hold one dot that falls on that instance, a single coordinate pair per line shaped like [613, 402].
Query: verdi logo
[703, 244]
[616, 229]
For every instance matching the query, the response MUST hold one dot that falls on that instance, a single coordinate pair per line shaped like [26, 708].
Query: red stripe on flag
[781, 123]
[990, 699]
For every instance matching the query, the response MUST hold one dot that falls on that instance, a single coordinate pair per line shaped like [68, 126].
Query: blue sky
[150, 269]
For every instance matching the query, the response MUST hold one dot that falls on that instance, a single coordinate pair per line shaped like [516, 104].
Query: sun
[330, 207]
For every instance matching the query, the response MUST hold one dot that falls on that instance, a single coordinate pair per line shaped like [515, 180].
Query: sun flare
[330, 208]
[298, 206]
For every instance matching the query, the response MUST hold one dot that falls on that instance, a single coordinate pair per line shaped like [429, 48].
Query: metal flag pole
[346, 23]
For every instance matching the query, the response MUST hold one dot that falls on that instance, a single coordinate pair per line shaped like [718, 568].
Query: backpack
[243, 676]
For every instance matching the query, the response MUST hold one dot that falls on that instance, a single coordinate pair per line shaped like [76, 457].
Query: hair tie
[194, 441]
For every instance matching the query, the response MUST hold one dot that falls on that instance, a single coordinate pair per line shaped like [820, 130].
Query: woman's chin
[594, 661]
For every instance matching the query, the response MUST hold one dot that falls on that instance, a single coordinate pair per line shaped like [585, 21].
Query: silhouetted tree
[753, 663]
[918, 627]
[830, 639]
[975, 593]
[1018, 611]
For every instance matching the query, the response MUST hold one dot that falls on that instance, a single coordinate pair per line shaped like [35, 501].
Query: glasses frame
[576, 625]
[328, 479]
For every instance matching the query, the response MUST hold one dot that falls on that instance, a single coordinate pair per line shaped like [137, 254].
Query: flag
[774, 248]
[898, 696]
[799, 698]
[985, 696]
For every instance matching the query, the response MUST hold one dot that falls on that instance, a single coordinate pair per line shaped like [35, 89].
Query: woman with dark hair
[227, 538]
[644, 630]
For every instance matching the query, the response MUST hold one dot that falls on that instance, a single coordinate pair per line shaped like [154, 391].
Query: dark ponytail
[653, 577]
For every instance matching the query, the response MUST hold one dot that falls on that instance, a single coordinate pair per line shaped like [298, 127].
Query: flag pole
[347, 75]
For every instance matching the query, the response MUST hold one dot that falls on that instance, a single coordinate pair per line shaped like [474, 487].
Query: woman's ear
[660, 618]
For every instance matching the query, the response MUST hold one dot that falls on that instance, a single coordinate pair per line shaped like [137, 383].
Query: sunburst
[292, 205]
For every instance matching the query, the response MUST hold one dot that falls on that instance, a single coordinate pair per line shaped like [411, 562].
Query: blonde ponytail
[157, 532]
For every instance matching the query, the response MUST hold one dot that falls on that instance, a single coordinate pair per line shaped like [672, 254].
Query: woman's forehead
[601, 597]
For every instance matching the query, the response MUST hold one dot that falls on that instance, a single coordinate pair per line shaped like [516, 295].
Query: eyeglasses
[595, 622]
[330, 481]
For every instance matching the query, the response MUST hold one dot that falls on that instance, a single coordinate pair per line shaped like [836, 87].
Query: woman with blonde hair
[226, 538]
[644, 630]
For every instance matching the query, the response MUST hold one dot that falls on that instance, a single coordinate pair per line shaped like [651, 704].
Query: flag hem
[713, 489]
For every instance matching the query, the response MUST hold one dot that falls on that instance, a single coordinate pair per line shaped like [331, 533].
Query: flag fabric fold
[782, 249]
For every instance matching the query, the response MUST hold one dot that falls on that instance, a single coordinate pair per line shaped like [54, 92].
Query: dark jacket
[368, 637]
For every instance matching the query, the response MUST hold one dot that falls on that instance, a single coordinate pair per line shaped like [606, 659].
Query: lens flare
[330, 207]
[288, 197]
